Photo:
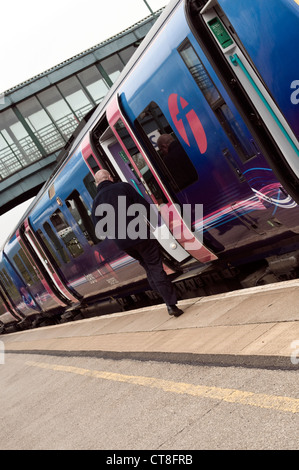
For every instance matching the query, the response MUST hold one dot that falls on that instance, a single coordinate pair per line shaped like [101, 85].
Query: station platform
[254, 327]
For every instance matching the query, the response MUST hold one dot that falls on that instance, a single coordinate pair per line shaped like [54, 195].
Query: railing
[52, 137]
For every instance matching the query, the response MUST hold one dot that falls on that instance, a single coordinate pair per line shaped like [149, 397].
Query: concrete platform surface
[255, 327]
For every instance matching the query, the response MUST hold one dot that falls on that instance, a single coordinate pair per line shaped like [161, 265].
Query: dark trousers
[149, 256]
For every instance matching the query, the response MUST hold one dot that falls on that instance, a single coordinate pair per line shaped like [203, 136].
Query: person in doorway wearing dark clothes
[183, 172]
[119, 202]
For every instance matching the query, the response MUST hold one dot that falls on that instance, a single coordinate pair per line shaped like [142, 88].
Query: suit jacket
[119, 212]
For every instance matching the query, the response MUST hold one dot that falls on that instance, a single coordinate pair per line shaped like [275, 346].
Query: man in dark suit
[120, 201]
[178, 166]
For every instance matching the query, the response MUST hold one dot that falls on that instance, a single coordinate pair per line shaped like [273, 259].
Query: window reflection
[226, 118]
[9, 286]
[45, 243]
[66, 234]
[23, 272]
[171, 160]
[82, 215]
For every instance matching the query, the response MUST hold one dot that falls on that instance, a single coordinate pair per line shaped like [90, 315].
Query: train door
[8, 313]
[41, 284]
[242, 79]
[36, 242]
[126, 163]
[179, 226]
[20, 298]
[125, 169]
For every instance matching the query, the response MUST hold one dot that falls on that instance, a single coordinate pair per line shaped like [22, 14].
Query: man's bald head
[102, 175]
[164, 141]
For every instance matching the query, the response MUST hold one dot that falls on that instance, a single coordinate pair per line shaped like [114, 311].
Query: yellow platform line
[279, 403]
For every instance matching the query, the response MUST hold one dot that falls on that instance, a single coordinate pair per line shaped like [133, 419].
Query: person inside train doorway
[121, 196]
[174, 156]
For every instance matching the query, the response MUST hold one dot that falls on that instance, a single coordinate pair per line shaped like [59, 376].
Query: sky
[36, 36]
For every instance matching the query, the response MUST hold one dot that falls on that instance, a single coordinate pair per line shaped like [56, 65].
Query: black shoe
[174, 310]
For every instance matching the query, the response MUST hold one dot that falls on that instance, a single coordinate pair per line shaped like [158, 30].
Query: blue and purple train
[220, 76]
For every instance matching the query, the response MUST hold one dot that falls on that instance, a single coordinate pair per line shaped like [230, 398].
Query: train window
[47, 245]
[28, 265]
[234, 131]
[8, 285]
[199, 73]
[93, 164]
[100, 135]
[223, 113]
[23, 271]
[51, 191]
[3, 302]
[139, 162]
[170, 158]
[66, 234]
[82, 216]
[90, 185]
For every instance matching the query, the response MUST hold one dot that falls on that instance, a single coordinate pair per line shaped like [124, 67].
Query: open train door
[178, 238]
[228, 50]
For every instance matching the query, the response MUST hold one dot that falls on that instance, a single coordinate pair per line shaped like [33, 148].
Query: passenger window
[93, 164]
[28, 265]
[66, 234]
[223, 113]
[199, 73]
[139, 162]
[82, 216]
[8, 285]
[3, 301]
[47, 245]
[90, 185]
[23, 271]
[170, 158]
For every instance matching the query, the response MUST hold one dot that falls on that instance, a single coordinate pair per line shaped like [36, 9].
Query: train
[222, 79]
